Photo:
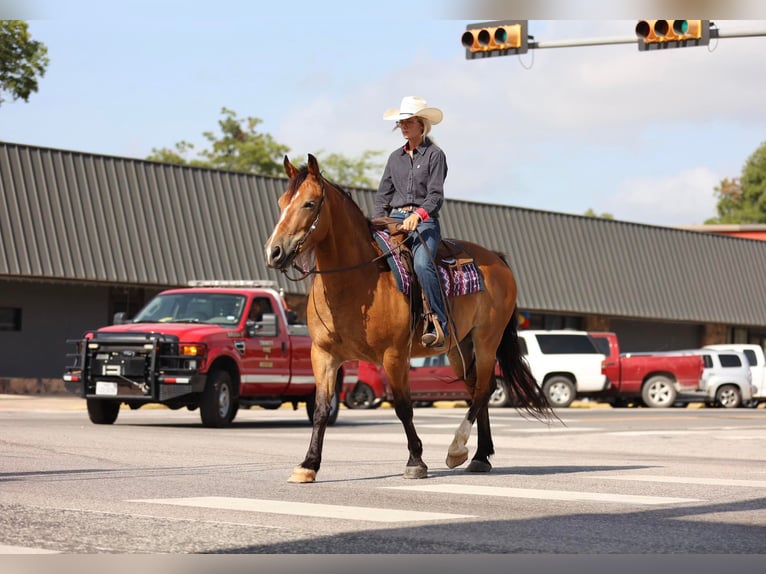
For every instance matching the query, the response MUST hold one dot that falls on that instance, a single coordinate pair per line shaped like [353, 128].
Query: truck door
[266, 365]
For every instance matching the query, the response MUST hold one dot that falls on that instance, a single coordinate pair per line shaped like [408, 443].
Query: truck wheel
[728, 396]
[362, 396]
[102, 412]
[334, 404]
[658, 392]
[560, 391]
[500, 397]
[216, 408]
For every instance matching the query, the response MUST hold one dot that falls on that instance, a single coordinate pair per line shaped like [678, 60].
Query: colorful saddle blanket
[459, 274]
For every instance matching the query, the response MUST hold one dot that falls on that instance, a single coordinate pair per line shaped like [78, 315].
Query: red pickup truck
[216, 346]
[654, 379]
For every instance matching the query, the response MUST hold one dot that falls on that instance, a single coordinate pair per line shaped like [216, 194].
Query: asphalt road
[606, 481]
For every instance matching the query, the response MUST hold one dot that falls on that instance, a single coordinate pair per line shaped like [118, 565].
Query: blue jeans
[428, 277]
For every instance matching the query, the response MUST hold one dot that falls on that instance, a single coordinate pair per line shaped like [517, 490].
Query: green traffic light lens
[501, 36]
[680, 26]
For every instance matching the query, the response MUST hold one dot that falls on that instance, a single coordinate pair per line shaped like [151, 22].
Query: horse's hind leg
[485, 448]
[398, 373]
[472, 373]
[463, 364]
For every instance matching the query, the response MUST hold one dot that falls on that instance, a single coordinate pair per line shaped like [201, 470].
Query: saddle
[450, 253]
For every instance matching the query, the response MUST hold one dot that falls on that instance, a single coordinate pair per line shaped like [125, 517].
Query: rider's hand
[411, 222]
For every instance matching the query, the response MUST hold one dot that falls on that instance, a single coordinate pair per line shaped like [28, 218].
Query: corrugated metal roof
[75, 216]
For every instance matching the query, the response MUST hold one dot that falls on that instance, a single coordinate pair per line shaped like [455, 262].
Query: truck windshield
[213, 308]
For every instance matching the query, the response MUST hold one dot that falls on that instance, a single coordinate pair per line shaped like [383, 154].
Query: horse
[356, 311]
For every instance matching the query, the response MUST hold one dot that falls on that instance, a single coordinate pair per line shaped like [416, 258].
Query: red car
[431, 379]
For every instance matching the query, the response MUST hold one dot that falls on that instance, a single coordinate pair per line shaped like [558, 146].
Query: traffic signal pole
[532, 44]
[714, 33]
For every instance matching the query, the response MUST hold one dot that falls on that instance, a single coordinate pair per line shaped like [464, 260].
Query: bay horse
[355, 311]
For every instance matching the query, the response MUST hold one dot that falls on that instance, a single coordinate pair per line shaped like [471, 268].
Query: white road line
[306, 509]
[687, 480]
[533, 493]
[6, 549]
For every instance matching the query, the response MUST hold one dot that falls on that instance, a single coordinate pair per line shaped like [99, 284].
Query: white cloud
[684, 198]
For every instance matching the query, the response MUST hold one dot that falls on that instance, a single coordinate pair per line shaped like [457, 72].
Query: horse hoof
[478, 466]
[420, 471]
[301, 475]
[454, 460]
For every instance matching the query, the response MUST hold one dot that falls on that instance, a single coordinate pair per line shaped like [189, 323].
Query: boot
[433, 335]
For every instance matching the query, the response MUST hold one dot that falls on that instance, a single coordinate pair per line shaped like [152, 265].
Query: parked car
[431, 379]
[566, 364]
[726, 380]
[757, 360]
[650, 379]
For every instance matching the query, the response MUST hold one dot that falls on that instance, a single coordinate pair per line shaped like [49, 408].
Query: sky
[645, 136]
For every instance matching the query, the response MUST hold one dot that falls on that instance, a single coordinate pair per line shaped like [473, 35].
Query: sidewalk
[41, 403]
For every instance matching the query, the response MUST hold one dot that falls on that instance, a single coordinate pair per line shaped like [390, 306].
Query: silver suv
[726, 380]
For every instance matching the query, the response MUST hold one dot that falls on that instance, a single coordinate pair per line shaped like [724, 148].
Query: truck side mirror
[266, 327]
[120, 318]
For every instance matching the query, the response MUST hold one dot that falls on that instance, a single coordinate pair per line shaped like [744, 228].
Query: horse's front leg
[325, 374]
[398, 376]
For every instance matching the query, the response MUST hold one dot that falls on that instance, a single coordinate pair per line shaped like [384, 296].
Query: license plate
[106, 388]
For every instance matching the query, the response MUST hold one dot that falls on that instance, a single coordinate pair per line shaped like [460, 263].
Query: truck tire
[728, 396]
[362, 396]
[658, 392]
[560, 391]
[216, 407]
[102, 412]
[334, 404]
[500, 397]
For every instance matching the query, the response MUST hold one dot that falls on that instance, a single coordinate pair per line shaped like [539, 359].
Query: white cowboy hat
[412, 106]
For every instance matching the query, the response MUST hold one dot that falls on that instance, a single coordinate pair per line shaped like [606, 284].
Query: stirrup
[432, 339]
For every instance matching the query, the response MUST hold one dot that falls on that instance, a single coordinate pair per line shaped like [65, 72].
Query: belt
[407, 208]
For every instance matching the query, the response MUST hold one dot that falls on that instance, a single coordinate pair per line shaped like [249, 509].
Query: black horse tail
[526, 395]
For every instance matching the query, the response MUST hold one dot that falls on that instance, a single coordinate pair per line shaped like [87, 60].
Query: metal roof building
[75, 225]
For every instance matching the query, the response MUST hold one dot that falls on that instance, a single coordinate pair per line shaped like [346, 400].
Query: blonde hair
[426, 124]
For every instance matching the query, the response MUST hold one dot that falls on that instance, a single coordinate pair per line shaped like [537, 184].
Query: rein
[314, 271]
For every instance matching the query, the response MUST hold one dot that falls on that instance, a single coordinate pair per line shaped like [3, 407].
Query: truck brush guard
[148, 366]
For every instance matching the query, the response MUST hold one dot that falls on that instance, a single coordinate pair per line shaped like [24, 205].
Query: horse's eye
[310, 205]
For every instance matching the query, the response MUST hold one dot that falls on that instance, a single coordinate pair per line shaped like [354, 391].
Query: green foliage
[592, 213]
[22, 60]
[354, 172]
[241, 147]
[742, 200]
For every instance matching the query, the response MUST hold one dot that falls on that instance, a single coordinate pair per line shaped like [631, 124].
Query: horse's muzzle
[280, 256]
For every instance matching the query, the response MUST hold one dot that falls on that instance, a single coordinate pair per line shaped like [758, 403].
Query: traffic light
[661, 34]
[500, 38]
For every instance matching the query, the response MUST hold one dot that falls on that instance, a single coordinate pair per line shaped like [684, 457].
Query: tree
[592, 213]
[241, 147]
[22, 60]
[743, 199]
[353, 172]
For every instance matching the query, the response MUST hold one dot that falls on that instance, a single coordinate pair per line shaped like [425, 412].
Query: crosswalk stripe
[688, 480]
[533, 493]
[8, 549]
[306, 509]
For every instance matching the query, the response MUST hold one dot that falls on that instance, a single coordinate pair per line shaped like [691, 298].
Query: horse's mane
[300, 177]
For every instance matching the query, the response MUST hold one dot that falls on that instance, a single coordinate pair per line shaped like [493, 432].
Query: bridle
[314, 271]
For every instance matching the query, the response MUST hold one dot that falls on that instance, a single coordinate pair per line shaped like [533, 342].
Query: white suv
[726, 380]
[565, 363]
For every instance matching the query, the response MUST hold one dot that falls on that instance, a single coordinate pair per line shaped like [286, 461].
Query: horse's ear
[313, 166]
[289, 168]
